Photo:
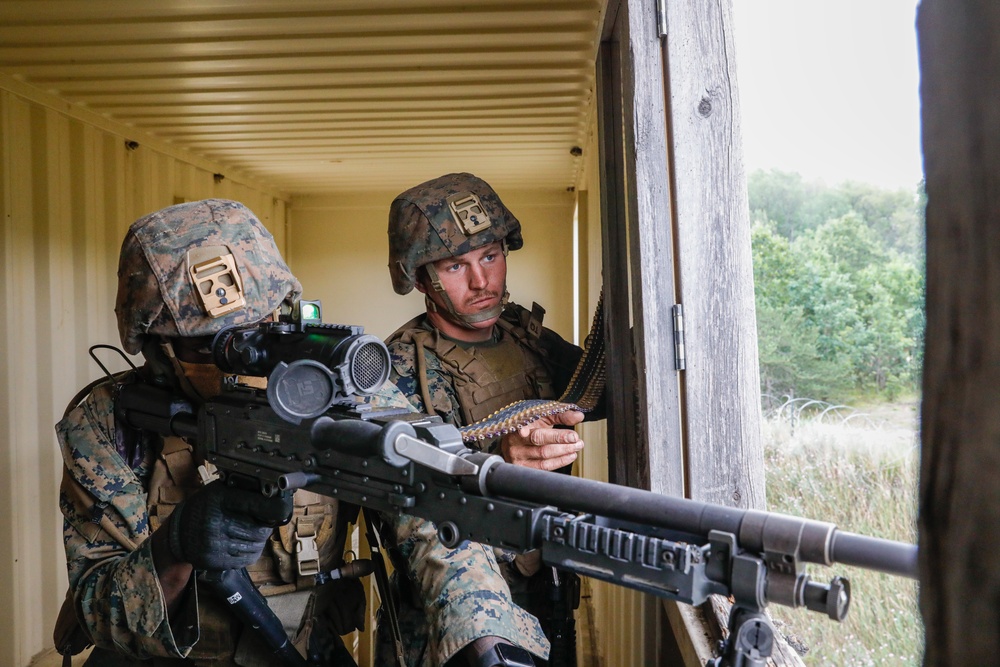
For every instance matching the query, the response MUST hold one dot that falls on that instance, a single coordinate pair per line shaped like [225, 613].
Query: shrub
[858, 471]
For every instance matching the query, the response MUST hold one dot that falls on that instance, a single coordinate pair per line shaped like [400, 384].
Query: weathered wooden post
[677, 241]
[960, 462]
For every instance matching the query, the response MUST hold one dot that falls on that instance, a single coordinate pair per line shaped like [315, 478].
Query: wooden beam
[626, 447]
[721, 395]
[695, 641]
[652, 250]
[959, 523]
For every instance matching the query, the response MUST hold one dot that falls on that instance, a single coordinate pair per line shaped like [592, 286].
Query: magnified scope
[309, 366]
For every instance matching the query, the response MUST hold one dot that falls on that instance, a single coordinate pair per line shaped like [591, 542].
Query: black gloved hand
[223, 527]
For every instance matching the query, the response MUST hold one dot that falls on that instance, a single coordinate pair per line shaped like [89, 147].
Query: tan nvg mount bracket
[469, 213]
[216, 280]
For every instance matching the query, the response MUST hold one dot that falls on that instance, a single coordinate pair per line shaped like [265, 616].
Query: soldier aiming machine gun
[310, 430]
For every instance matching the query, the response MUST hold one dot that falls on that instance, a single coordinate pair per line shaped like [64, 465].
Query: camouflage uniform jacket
[118, 598]
[518, 367]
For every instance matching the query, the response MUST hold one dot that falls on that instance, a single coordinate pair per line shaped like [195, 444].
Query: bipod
[750, 641]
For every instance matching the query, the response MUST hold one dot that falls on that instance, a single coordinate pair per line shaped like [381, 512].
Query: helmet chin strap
[179, 373]
[466, 321]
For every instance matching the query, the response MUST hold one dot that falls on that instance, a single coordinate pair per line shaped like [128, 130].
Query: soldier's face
[475, 281]
[194, 356]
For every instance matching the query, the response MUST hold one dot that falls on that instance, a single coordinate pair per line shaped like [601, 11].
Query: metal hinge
[661, 18]
[679, 360]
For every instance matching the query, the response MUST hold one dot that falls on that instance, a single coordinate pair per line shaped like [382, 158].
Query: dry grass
[857, 470]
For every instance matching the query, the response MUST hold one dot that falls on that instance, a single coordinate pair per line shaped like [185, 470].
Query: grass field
[856, 468]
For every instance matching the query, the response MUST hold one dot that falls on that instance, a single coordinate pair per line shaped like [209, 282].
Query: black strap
[382, 581]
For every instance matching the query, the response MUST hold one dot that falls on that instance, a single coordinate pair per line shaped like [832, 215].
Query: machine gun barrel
[311, 430]
[818, 542]
[874, 553]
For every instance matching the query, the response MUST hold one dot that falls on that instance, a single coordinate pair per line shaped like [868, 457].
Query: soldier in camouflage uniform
[141, 516]
[472, 353]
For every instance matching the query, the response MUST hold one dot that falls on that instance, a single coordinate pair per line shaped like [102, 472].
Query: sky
[830, 89]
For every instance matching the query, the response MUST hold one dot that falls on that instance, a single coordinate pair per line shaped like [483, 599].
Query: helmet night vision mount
[310, 366]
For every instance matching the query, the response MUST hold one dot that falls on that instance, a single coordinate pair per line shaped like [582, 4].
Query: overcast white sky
[830, 88]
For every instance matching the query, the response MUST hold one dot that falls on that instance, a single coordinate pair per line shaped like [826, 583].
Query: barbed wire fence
[795, 411]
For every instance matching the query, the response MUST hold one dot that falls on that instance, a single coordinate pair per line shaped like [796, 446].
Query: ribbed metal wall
[321, 96]
[68, 191]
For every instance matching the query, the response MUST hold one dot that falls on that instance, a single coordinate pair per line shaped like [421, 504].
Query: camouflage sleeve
[404, 376]
[117, 594]
[389, 396]
[463, 593]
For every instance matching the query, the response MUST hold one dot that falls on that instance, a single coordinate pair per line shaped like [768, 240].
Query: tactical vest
[485, 377]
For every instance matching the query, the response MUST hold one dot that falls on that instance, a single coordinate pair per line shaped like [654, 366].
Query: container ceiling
[323, 96]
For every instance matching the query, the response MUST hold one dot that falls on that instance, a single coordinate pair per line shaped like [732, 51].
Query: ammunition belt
[582, 394]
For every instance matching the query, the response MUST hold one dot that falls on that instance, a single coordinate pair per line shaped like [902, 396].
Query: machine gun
[311, 430]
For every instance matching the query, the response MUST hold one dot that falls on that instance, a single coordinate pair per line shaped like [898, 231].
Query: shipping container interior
[314, 114]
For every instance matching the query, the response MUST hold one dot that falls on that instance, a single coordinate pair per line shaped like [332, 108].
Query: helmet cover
[194, 268]
[445, 217]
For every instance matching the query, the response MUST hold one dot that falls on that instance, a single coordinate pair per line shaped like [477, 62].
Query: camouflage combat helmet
[192, 269]
[445, 217]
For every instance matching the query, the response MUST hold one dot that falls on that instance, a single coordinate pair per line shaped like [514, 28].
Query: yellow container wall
[69, 188]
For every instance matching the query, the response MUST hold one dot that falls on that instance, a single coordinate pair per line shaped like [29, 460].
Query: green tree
[894, 216]
[891, 340]
[867, 302]
[839, 302]
[797, 206]
[782, 198]
[791, 363]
